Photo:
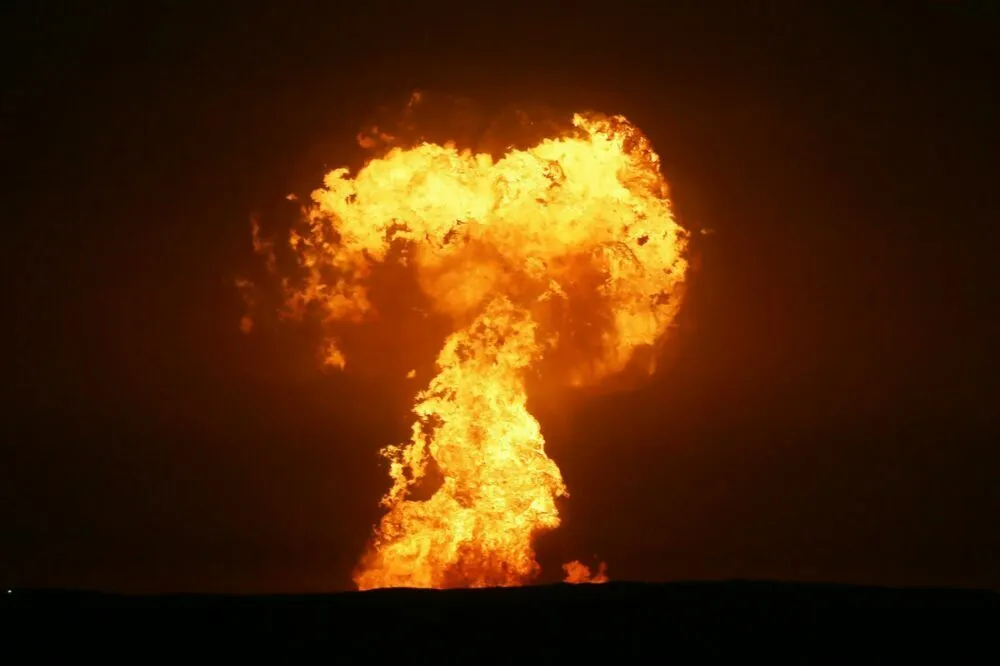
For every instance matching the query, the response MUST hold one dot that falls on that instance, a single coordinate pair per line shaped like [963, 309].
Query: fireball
[560, 260]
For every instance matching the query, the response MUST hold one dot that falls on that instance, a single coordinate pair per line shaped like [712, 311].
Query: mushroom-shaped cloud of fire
[560, 258]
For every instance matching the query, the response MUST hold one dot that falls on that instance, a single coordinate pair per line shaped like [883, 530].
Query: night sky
[829, 407]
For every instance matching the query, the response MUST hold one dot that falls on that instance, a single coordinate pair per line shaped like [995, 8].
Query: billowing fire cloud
[561, 260]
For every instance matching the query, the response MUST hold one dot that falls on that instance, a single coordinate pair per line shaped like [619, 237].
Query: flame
[577, 572]
[332, 356]
[245, 288]
[561, 260]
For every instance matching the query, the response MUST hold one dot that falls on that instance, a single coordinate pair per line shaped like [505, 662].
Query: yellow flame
[564, 256]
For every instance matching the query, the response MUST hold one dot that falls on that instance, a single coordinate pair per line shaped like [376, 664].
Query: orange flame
[577, 572]
[562, 259]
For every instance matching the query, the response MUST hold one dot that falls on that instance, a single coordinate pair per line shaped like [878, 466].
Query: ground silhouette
[691, 622]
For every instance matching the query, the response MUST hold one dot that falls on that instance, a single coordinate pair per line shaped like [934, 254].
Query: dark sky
[830, 412]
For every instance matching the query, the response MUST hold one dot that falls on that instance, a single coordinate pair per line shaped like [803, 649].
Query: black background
[830, 410]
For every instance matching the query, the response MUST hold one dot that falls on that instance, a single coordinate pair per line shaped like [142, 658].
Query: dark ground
[688, 621]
